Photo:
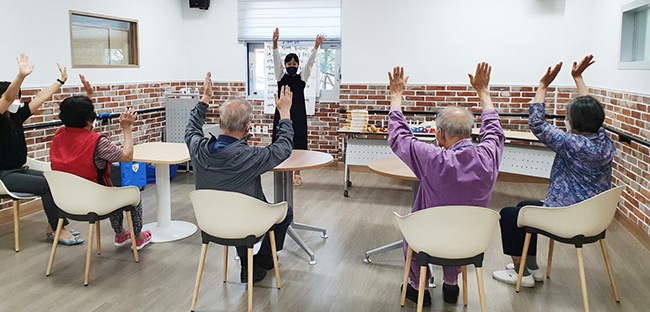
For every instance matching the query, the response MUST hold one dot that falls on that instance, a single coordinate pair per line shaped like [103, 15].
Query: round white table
[163, 154]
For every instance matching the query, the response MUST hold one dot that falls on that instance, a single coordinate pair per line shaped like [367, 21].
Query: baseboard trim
[26, 208]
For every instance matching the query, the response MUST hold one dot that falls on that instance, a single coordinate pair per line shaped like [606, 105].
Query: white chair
[449, 236]
[578, 224]
[16, 197]
[234, 219]
[83, 200]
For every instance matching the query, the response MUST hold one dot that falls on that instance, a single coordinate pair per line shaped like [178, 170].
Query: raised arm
[278, 67]
[24, 69]
[47, 93]
[547, 79]
[312, 58]
[87, 86]
[127, 118]
[194, 129]
[480, 82]
[576, 73]
[397, 84]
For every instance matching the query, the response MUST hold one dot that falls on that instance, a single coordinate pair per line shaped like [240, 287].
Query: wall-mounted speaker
[200, 4]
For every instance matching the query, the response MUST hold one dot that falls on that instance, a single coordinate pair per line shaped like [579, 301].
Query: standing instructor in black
[287, 75]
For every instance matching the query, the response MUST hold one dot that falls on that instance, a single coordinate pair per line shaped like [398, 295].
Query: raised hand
[320, 38]
[577, 69]
[127, 118]
[86, 85]
[481, 78]
[63, 71]
[283, 103]
[550, 75]
[276, 35]
[207, 88]
[24, 67]
[397, 81]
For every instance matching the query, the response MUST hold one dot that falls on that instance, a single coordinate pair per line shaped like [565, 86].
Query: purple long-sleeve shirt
[583, 163]
[464, 174]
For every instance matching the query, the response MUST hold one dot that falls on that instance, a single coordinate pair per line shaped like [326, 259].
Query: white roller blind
[297, 19]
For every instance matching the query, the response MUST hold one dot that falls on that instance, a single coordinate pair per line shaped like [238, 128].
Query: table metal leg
[283, 191]
[385, 248]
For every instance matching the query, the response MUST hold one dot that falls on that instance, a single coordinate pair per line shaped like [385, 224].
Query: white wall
[601, 22]
[175, 42]
[439, 41]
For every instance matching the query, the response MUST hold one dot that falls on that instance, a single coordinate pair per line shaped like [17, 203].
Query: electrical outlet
[265, 130]
[257, 129]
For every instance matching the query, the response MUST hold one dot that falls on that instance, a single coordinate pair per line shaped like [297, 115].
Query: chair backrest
[78, 196]
[589, 217]
[38, 165]
[449, 232]
[4, 192]
[233, 215]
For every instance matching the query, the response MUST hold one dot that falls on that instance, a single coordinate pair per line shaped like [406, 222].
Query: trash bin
[134, 173]
[151, 173]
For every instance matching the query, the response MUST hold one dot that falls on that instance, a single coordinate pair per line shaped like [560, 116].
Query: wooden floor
[340, 281]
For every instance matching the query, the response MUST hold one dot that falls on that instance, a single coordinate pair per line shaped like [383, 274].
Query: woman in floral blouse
[582, 167]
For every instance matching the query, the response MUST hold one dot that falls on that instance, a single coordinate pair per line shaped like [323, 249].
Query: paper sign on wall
[271, 84]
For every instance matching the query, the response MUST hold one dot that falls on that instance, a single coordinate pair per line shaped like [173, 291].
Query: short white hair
[235, 114]
[455, 121]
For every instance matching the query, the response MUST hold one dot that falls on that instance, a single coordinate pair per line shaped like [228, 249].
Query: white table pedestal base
[175, 231]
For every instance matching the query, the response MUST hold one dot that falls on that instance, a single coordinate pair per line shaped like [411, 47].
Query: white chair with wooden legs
[16, 197]
[234, 219]
[82, 200]
[578, 224]
[449, 236]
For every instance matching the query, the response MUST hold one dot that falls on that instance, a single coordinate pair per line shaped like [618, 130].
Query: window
[100, 41]
[260, 69]
[299, 22]
[635, 36]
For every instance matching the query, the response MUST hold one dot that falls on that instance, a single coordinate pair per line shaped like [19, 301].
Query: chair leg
[274, 255]
[551, 244]
[16, 225]
[57, 233]
[199, 274]
[225, 263]
[91, 232]
[134, 245]
[423, 278]
[407, 266]
[464, 270]
[99, 238]
[583, 281]
[481, 289]
[522, 263]
[610, 272]
[250, 279]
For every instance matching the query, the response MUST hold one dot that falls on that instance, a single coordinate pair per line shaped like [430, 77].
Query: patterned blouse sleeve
[554, 138]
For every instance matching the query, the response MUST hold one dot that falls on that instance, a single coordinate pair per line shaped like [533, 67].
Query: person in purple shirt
[454, 173]
[582, 167]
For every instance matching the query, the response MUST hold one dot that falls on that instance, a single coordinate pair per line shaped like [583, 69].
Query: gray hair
[235, 114]
[455, 121]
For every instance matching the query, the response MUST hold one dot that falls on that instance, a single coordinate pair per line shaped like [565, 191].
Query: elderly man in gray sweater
[228, 163]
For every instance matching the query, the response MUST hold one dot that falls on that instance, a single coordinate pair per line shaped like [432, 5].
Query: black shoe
[264, 261]
[258, 274]
[450, 293]
[412, 295]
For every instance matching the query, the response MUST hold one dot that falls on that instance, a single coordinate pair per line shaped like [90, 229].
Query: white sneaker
[538, 275]
[510, 277]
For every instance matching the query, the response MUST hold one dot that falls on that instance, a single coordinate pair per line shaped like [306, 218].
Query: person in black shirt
[13, 147]
[288, 75]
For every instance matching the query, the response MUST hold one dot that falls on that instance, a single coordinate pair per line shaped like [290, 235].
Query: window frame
[630, 39]
[324, 95]
[134, 44]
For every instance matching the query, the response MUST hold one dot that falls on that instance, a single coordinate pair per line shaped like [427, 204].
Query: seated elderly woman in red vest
[78, 150]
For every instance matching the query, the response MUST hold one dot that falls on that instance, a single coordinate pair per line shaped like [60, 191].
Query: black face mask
[292, 71]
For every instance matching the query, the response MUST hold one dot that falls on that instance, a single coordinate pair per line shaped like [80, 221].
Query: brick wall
[629, 113]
